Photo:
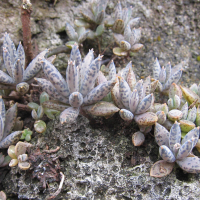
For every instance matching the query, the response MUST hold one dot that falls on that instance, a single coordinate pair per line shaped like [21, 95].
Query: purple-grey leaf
[112, 70]
[6, 79]
[18, 71]
[1, 127]
[184, 110]
[75, 55]
[133, 101]
[56, 78]
[126, 115]
[156, 69]
[71, 32]
[161, 135]
[162, 75]
[99, 92]
[194, 133]
[8, 62]
[138, 138]
[166, 154]
[21, 54]
[69, 115]
[76, 99]
[140, 89]
[2, 109]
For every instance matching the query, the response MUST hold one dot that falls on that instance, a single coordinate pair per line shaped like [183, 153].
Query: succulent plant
[17, 153]
[26, 134]
[4, 160]
[2, 195]
[166, 75]
[78, 90]
[7, 122]
[17, 77]
[172, 150]
[127, 42]
[93, 18]
[76, 36]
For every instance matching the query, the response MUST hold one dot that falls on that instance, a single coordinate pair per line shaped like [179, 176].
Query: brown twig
[26, 10]
[59, 188]
[52, 150]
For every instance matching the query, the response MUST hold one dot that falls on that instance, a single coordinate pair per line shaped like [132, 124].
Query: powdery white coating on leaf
[69, 115]
[21, 54]
[168, 70]
[166, 154]
[48, 87]
[18, 71]
[76, 99]
[175, 115]
[100, 78]
[126, 115]
[161, 135]
[162, 75]
[75, 55]
[145, 104]
[112, 70]
[174, 135]
[71, 32]
[192, 114]
[194, 133]
[90, 76]
[6, 79]
[184, 110]
[161, 168]
[185, 149]
[2, 109]
[156, 69]
[99, 92]
[124, 91]
[13, 138]
[55, 78]
[127, 33]
[140, 89]
[133, 101]
[8, 62]
[34, 66]
[131, 80]
[125, 71]
[72, 77]
[190, 164]
[138, 138]
[161, 117]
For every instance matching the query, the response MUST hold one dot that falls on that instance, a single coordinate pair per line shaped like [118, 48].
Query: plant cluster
[87, 91]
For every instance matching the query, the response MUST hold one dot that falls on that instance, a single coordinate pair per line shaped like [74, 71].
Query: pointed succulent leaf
[133, 22]
[8, 62]
[6, 79]
[166, 154]
[138, 138]
[161, 117]
[102, 109]
[10, 46]
[75, 55]
[51, 113]
[11, 116]
[192, 114]
[34, 67]
[100, 17]
[170, 103]
[112, 70]
[161, 168]
[198, 117]
[118, 11]
[126, 115]
[162, 75]
[190, 164]
[185, 149]
[127, 12]
[21, 54]
[194, 88]
[55, 77]
[177, 101]
[156, 69]
[124, 91]
[127, 33]
[18, 71]
[34, 114]
[174, 135]
[72, 77]
[72, 34]
[168, 70]
[13, 138]
[154, 85]
[161, 135]
[144, 105]
[69, 115]
[83, 37]
[190, 96]
[135, 36]
[140, 89]
[88, 15]
[48, 87]
[194, 133]
[76, 99]
[116, 95]
[133, 101]
[99, 92]
[131, 80]
[90, 76]
[125, 71]
[146, 119]
[175, 90]
[173, 79]
[1, 127]
[33, 105]
[2, 109]
[100, 78]
[40, 112]
[147, 86]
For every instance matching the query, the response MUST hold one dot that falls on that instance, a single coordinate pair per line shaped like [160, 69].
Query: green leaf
[44, 97]
[99, 30]
[119, 51]
[70, 44]
[81, 23]
[40, 126]
[33, 105]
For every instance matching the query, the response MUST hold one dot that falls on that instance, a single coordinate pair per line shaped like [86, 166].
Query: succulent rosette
[172, 150]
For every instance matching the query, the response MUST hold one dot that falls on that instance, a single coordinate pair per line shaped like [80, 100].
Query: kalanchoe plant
[78, 90]
[166, 75]
[26, 134]
[76, 36]
[17, 153]
[172, 150]
[93, 18]
[17, 77]
[7, 122]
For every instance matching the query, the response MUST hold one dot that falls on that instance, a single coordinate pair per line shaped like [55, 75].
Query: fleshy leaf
[138, 138]
[126, 115]
[174, 135]
[133, 101]
[156, 69]
[71, 32]
[75, 99]
[18, 71]
[161, 135]
[69, 115]
[166, 154]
